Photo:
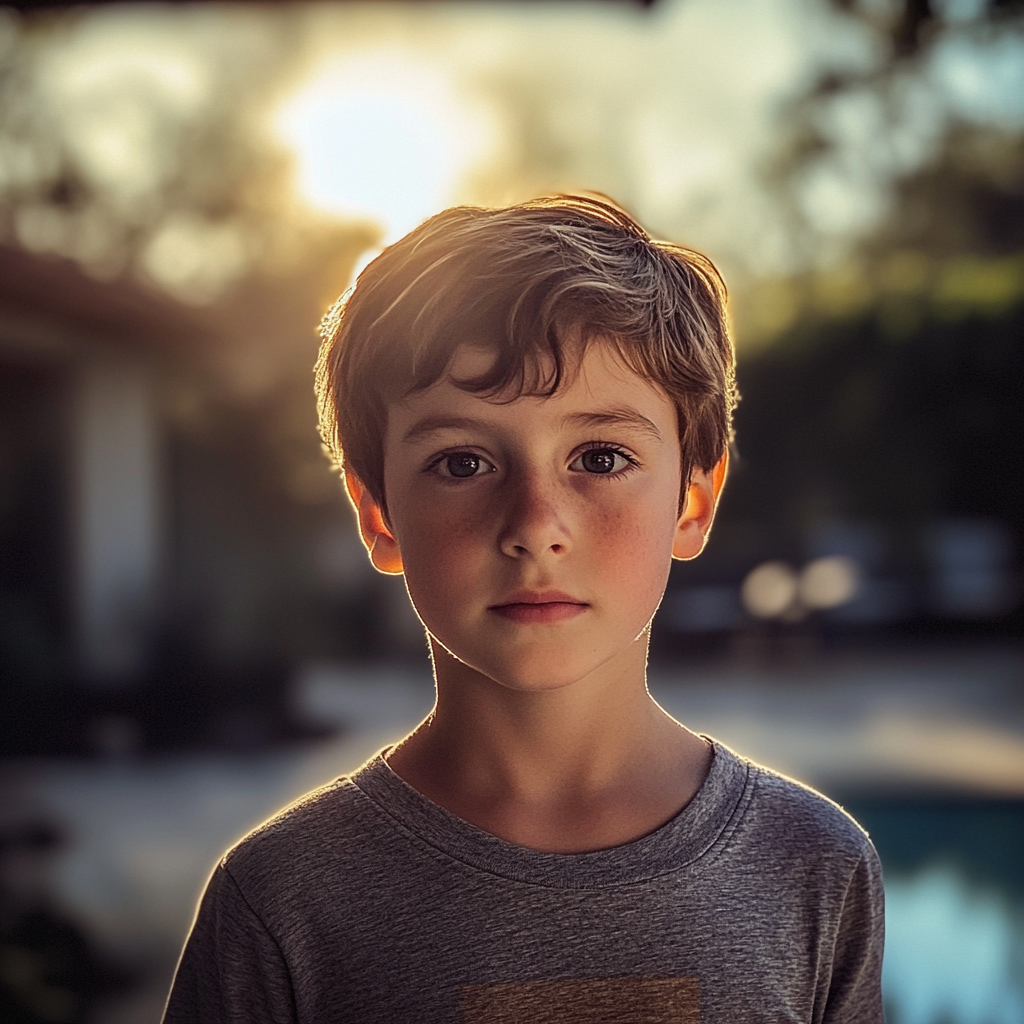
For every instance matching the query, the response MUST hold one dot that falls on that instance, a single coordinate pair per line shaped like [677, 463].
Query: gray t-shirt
[761, 901]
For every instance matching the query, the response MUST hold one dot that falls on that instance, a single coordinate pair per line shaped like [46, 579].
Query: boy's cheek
[442, 541]
[635, 578]
[625, 536]
[444, 563]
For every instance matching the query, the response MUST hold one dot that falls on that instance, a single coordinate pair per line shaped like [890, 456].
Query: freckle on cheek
[624, 527]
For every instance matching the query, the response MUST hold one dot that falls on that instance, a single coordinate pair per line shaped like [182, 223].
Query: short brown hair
[528, 280]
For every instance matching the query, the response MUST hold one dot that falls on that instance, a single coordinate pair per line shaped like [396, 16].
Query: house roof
[48, 300]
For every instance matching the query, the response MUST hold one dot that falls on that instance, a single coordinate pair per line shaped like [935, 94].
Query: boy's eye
[463, 464]
[601, 460]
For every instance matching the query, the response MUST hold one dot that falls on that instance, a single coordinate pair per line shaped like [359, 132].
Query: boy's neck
[583, 767]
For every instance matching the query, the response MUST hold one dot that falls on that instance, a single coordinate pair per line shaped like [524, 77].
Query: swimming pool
[954, 881]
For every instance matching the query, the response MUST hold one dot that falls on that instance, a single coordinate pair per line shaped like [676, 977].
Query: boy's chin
[537, 682]
[536, 672]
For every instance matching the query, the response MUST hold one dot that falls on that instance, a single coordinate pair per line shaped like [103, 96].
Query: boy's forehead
[469, 361]
[595, 379]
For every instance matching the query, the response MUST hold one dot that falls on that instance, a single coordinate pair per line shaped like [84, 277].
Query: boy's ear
[699, 511]
[379, 540]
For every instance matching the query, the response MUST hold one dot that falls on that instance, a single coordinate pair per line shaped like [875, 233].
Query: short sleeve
[855, 989]
[231, 970]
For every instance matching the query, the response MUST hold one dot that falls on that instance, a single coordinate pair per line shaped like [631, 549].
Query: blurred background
[190, 634]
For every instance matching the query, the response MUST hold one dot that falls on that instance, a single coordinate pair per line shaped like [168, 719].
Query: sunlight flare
[383, 137]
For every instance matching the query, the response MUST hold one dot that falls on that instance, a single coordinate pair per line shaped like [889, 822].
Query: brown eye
[602, 461]
[462, 464]
[599, 460]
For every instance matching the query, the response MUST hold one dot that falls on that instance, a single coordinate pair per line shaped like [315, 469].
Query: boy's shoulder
[792, 815]
[330, 823]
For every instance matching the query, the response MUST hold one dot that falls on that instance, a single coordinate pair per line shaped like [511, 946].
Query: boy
[532, 409]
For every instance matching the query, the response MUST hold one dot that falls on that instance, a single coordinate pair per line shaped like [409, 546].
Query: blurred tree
[883, 384]
[139, 140]
[902, 149]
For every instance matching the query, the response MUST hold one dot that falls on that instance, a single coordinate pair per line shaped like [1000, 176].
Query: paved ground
[145, 833]
[951, 721]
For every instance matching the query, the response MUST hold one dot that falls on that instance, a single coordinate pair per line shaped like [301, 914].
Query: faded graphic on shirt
[583, 1001]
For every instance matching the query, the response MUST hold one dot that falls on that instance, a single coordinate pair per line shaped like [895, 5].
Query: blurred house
[83, 536]
[172, 541]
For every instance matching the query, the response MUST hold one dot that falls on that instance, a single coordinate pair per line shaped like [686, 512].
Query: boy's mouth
[529, 606]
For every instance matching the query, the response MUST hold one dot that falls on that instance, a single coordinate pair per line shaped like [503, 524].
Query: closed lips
[547, 607]
[538, 597]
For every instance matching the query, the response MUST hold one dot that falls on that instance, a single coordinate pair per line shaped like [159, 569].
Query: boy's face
[536, 535]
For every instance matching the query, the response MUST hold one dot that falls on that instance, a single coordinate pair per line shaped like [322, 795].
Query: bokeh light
[769, 590]
[828, 582]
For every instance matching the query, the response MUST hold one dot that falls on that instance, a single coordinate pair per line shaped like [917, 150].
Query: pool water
[954, 882]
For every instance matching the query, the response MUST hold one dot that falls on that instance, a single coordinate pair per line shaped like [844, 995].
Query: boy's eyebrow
[622, 416]
[432, 424]
[619, 417]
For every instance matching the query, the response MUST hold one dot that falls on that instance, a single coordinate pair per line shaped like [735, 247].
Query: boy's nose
[533, 521]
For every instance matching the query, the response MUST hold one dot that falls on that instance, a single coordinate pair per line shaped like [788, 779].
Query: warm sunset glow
[385, 137]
